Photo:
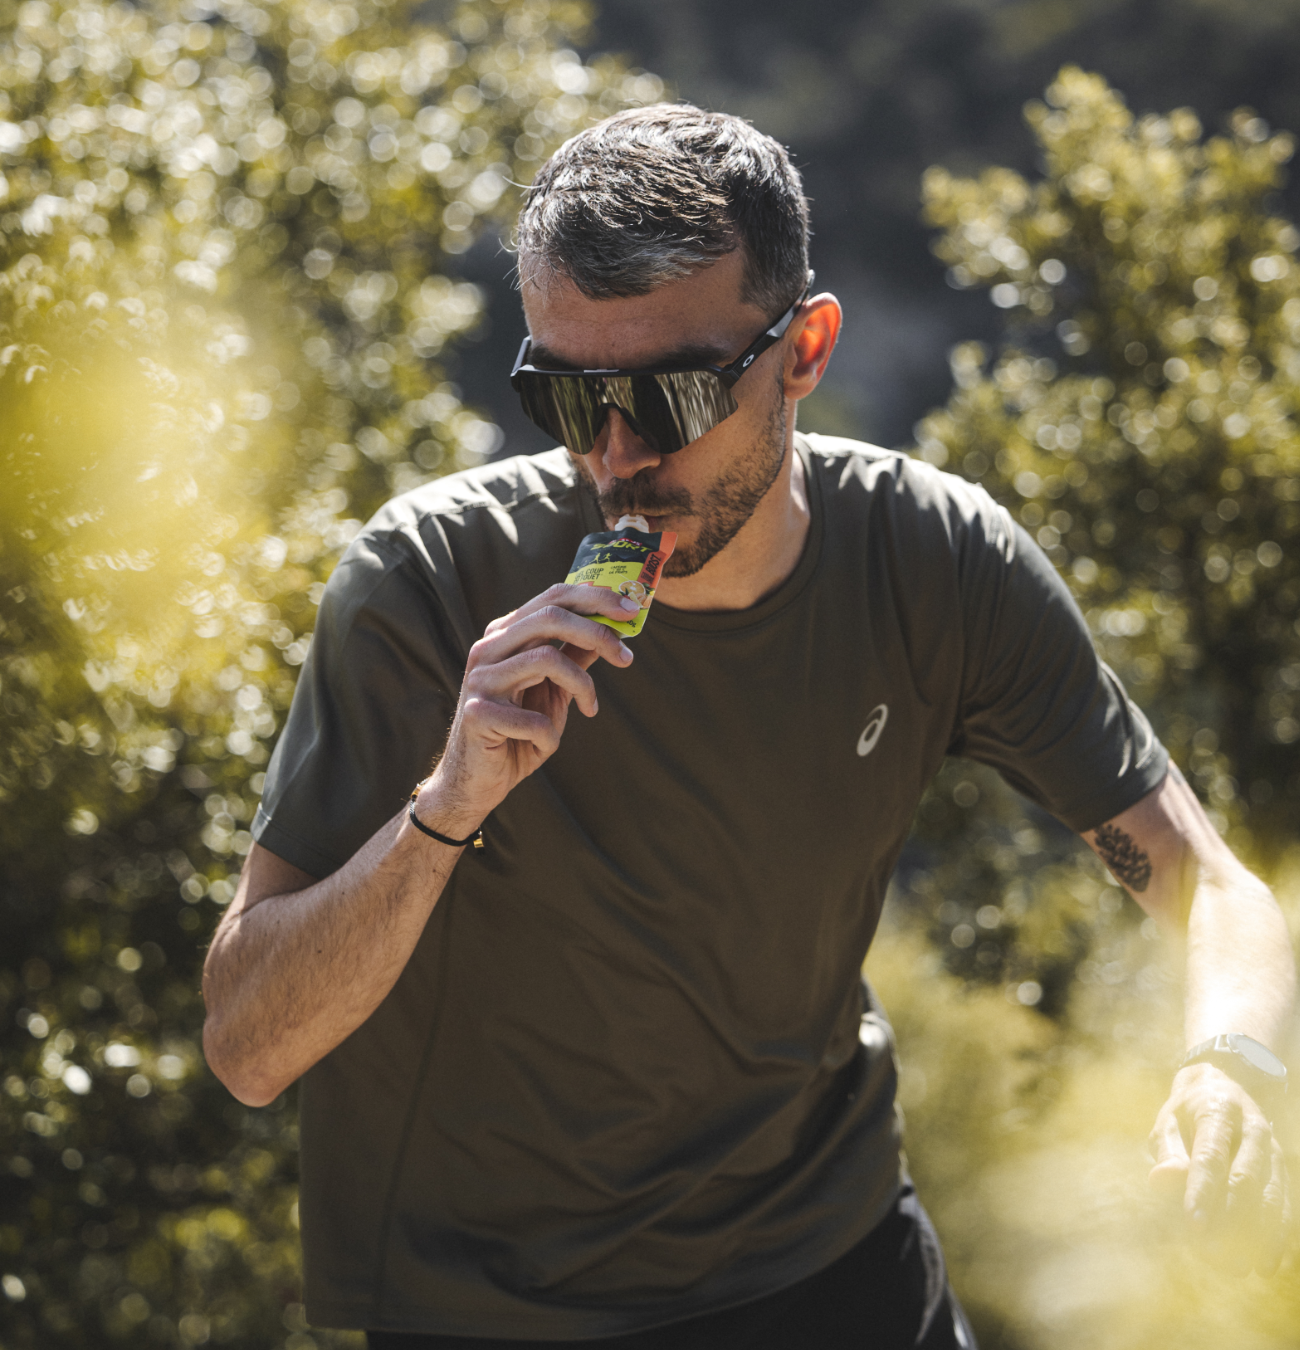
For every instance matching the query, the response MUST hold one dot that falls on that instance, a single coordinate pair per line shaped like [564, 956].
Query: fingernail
[625, 651]
[1200, 1218]
[628, 603]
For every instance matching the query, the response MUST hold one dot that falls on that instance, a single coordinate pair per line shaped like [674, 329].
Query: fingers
[497, 723]
[580, 657]
[507, 680]
[551, 624]
[1169, 1175]
[1276, 1211]
[1214, 1144]
[576, 599]
[1169, 1179]
[520, 679]
[1214, 1148]
[1165, 1141]
[1251, 1167]
[1250, 1231]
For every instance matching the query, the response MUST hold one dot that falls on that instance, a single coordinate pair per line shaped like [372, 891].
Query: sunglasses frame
[727, 375]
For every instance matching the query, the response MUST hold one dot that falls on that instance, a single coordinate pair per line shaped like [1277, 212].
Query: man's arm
[1212, 1142]
[298, 964]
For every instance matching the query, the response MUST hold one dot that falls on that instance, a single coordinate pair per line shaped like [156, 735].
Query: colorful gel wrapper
[626, 559]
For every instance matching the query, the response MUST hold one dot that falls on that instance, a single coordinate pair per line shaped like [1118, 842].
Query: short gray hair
[653, 194]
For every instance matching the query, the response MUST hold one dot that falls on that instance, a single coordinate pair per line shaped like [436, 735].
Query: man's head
[670, 237]
[654, 194]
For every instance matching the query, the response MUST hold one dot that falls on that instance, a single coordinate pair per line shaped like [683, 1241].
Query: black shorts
[890, 1292]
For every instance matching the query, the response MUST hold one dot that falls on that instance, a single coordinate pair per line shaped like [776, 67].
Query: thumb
[1169, 1178]
[1169, 1175]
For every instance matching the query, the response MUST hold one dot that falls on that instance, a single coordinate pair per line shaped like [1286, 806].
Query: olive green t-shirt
[631, 1073]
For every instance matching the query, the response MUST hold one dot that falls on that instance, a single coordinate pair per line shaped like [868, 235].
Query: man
[612, 1078]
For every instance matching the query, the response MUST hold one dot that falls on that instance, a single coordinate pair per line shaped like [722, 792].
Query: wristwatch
[1246, 1061]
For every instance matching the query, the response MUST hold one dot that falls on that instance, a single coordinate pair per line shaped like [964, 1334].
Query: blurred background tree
[1138, 420]
[1141, 426]
[225, 242]
[251, 283]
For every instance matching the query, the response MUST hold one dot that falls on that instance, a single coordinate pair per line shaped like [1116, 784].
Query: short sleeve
[1038, 703]
[372, 708]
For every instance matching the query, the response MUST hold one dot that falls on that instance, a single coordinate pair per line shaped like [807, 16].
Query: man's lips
[656, 523]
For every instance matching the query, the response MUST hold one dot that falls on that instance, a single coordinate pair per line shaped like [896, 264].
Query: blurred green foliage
[1139, 421]
[1026, 1137]
[1143, 428]
[226, 232]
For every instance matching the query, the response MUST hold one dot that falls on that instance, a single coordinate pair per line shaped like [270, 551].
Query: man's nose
[622, 452]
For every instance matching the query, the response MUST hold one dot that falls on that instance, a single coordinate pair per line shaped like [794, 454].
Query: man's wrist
[1249, 1063]
[438, 810]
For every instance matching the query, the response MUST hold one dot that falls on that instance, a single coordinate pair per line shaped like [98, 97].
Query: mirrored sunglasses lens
[668, 411]
[695, 402]
[642, 403]
[569, 409]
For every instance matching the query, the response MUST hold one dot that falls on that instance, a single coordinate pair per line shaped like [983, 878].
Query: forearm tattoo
[1126, 861]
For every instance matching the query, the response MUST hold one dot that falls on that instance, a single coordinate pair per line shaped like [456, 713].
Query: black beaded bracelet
[476, 838]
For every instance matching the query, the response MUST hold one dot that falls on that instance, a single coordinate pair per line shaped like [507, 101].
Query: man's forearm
[289, 976]
[1240, 971]
[1212, 1143]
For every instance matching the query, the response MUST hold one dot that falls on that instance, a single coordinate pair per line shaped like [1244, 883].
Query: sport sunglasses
[667, 408]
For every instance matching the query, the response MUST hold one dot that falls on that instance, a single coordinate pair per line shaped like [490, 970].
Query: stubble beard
[722, 509]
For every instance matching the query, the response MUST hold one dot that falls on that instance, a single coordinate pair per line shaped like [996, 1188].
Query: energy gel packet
[626, 559]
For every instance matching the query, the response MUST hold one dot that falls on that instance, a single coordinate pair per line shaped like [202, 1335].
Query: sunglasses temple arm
[521, 359]
[730, 374]
[777, 330]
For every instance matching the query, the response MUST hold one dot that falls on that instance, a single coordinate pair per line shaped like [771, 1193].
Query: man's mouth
[656, 523]
[659, 509]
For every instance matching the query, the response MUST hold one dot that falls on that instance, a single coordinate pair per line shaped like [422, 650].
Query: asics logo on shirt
[871, 732]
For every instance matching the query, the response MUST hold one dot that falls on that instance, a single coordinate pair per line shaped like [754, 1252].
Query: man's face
[710, 488]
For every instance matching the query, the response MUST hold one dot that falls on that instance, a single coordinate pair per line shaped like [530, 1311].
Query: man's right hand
[520, 679]
[298, 964]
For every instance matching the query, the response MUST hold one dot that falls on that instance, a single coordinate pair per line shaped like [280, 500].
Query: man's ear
[816, 328]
